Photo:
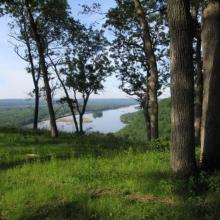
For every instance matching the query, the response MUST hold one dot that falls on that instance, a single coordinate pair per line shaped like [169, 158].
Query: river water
[108, 122]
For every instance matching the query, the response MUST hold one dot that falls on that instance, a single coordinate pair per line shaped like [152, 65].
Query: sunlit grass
[96, 177]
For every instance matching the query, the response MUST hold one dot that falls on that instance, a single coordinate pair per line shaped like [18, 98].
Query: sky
[16, 83]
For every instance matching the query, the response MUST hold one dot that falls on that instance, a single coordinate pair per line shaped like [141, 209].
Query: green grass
[136, 130]
[96, 177]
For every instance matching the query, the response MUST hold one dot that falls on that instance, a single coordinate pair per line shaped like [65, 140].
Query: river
[107, 122]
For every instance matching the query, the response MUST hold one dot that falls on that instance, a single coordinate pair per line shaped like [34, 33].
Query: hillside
[135, 129]
[96, 177]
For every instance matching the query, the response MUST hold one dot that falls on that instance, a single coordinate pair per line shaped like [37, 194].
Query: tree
[67, 99]
[86, 67]
[196, 8]
[39, 38]
[28, 55]
[72, 32]
[182, 88]
[152, 68]
[135, 46]
[132, 75]
[45, 20]
[210, 138]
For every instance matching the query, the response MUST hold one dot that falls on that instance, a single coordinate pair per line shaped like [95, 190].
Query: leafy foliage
[87, 62]
[135, 129]
[127, 46]
[85, 68]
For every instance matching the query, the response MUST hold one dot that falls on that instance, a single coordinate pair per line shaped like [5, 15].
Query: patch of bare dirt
[136, 197]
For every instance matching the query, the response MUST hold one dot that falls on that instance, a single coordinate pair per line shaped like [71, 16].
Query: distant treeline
[19, 112]
[136, 130]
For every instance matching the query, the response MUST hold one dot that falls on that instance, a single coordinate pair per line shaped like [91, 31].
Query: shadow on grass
[67, 211]
[194, 197]
[191, 209]
[167, 183]
[22, 142]
[11, 164]
[26, 137]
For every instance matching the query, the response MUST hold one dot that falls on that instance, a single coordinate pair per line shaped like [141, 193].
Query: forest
[163, 161]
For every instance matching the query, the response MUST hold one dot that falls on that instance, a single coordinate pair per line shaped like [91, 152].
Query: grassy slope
[96, 177]
[135, 129]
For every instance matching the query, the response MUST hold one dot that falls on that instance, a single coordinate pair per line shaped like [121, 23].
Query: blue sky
[16, 83]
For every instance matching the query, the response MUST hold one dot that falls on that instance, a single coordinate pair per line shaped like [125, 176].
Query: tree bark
[35, 78]
[198, 85]
[210, 134]
[41, 52]
[182, 89]
[146, 118]
[81, 123]
[152, 69]
[85, 102]
[147, 123]
[36, 107]
[36, 87]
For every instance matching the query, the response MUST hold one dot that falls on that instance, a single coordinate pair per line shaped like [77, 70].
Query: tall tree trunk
[35, 77]
[36, 107]
[40, 47]
[81, 123]
[147, 118]
[147, 123]
[198, 90]
[52, 117]
[210, 135]
[73, 114]
[69, 101]
[182, 89]
[152, 69]
[81, 114]
[35, 74]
